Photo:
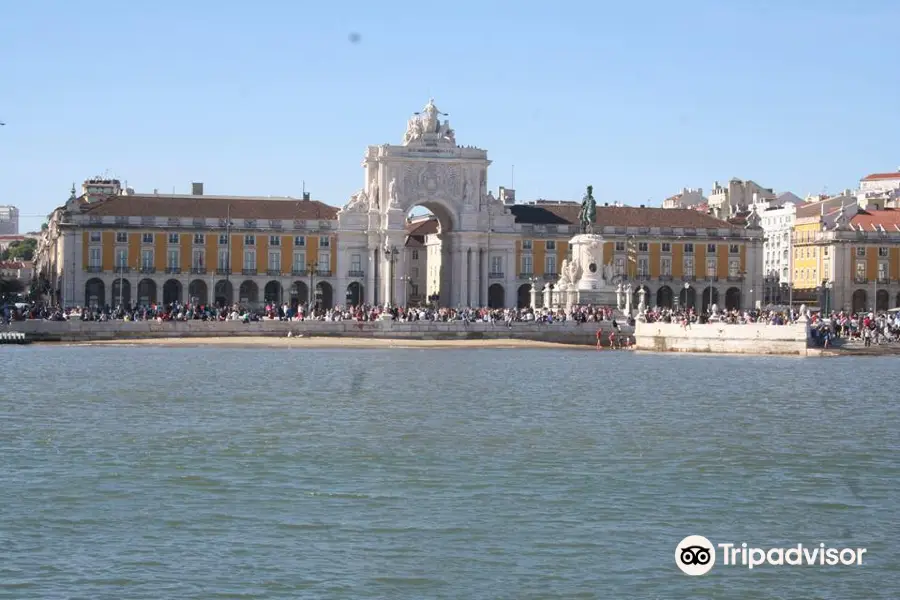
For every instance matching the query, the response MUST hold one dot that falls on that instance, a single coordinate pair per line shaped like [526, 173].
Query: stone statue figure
[468, 189]
[619, 291]
[374, 195]
[359, 202]
[608, 272]
[642, 299]
[393, 193]
[564, 274]
[574, 271]
[588, 211]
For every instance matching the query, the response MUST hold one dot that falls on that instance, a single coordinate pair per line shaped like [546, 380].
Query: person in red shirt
[599, 338]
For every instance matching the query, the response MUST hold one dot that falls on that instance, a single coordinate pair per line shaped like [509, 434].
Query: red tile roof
[617, 216]
[879, 176]
[869, 220]
[423, 227]
[211, 207]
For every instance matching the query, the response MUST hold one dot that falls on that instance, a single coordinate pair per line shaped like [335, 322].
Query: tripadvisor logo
[696, 555]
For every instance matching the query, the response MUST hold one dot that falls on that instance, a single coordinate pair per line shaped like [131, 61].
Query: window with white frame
[666, 247]
[527, 265]
[250, 260]
[619, 265]
[173, 259]
[146, 238]
[222, 263]
[734, 268]
[324, 261]
[710, 267]
[147, 259]
[688, 266]
[223, 239]
[324, 241]
[550, 265]
[275, 260]
[198, 258]
[249, 240]
[643, 247]
[620, 246]
[94, 258]
[689, 248]
[299, 261]
[882, 271]
[121, 237]
[643, 267]
[300, 240]
[173, 238]
[497, 264]
[95, 236]
[526, 244]
[710, 248]
[882, 252]
[860, 251]
[665, 266]
[356, 263]
[415, 255]
[550, 245]
[199, 239]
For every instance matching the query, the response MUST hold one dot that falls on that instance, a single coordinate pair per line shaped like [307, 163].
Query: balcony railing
[323, 273]
[550, 276]
[198, 270]
[248, 271]
[173, 270]
[643, 277]
[711, 278]
[734, 278]
[860, 280]
[884, 280]
[273, 272]
[526, 275]
[148, 270]
[95, 269]
[355, 274]
[298, 272]
[665, 278]
[221, 271]
[123, 269]
[495, 275]
[689, 278]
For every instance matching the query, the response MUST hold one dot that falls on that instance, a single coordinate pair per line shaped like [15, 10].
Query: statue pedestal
[587, 252]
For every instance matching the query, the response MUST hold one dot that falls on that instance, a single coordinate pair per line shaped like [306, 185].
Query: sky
[638, 99]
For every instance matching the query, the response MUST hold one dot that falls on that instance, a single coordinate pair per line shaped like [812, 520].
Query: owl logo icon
[695, 555]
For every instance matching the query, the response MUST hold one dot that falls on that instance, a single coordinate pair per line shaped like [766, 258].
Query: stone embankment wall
[750, 338]
[79, 331]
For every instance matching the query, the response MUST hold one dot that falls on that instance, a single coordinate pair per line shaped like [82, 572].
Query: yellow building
[111, 246]
[848, 259]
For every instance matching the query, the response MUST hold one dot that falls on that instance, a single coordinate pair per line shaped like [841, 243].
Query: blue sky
[639, 99]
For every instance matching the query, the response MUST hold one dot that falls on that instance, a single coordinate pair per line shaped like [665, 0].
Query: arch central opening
[424, 275]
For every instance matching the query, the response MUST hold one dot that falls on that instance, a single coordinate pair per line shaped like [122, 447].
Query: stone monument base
[603, 297]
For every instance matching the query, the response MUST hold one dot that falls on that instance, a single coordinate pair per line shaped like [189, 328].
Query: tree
[20, 250]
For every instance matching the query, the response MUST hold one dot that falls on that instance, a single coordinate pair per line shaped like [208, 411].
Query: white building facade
[9, 220]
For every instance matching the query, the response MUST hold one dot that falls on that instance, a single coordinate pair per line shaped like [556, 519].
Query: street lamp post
[313, 271]
[391, 252]
[687, 287]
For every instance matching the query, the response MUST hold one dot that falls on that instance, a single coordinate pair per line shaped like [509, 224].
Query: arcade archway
[425, 264]
[664, 297]
[354, 294]
[171, 291]
[94, 293]
[496, 296]
[523, 296]
[732, 299]
[224, 293]
[146, 292]
[121, 292]
[324, 295]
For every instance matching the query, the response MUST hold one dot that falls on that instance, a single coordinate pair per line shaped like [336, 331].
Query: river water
[141, 472]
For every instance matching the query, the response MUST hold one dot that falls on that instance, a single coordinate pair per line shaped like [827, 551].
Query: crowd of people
[866, 328]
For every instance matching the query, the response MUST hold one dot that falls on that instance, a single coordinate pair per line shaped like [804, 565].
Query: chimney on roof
[197, 188]
[642, 206]
[306, 196]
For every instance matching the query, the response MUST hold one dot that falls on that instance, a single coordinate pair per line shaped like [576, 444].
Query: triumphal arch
[428, 169]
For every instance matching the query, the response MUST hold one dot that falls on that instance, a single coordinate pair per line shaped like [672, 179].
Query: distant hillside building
[9, 220]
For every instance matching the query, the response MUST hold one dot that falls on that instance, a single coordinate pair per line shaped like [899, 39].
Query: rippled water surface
[138, 472]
